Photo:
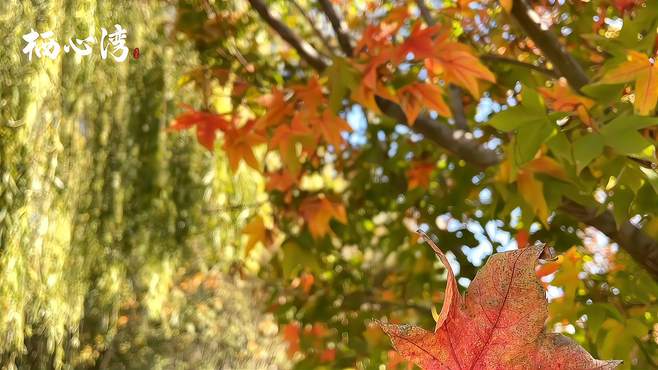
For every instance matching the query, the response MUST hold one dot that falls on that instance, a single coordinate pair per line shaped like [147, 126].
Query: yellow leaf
[549, 166]
[506, 4]
[646, 90]
[643, 70]
[256, 232]
[532, 192]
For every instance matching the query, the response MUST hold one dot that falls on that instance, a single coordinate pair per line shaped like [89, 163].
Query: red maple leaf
[206, 123]
[239, 143]
[498, 324]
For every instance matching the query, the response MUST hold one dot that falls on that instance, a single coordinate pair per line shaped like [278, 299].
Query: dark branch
[549, 44]
[457, 107]
[425, 12]
[323, 39]
[339, 27]
[458, 143]
[639, 245]
[502, 59]
[305, 50]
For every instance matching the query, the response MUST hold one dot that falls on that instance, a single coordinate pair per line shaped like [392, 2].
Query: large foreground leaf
[499, 324]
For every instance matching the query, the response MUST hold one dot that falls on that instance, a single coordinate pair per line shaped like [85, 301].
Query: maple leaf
[458, 65]
[281, 181]
[376, 36]
[239, 143]
[498, 324]
[331, 126]
[206, 123]
[532, 191]
[562, 99]
[291, 334]
[644, 71]
[256, 232]
[547, 165]
[277, 109]
[419, 175]
[310, 94]
[419, 43]
[522, 238]
[417, 95]
[318, 211]
[286, 137]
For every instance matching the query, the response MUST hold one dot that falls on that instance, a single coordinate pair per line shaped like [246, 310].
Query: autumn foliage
[493, 123]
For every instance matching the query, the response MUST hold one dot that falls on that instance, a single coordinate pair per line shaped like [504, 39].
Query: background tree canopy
[246, 193]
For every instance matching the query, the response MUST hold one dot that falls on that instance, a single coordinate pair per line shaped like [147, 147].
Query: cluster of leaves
[460, 121]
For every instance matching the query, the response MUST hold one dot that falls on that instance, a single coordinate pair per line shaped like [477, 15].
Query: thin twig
[339, 27]
[425, 12]
[306, 51]
[502, 59]
[311, 22]
[550, 46]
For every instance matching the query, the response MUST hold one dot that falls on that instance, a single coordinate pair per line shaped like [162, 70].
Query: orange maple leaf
[310, 94]
[239, 143]
[547, 165]
[562, 99]
[206, 123]
[330, 126]
[286, 137]
[522, 238]
[281, 180]
[498, 324]
[417, 95]
[418, 176]
[548, 268]
[375, 36]
[457, 64]
[644, 71]
[420, 43]
[291, 334]
[317, 211]
[278, 108]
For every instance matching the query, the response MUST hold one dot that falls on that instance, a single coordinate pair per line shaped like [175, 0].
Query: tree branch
[305, 50]
[425, 12]
[456, 142]
[549, 44]
[639, 245]
[325, 42]
[502, 59]
[339, 27]
[457, 107]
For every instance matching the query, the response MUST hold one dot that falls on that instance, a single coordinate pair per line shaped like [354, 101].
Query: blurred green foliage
[104, 216]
